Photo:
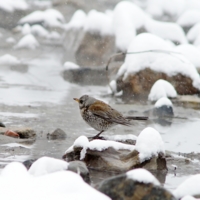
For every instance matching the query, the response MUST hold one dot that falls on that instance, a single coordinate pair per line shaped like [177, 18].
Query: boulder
[140, 83]
[132, 186]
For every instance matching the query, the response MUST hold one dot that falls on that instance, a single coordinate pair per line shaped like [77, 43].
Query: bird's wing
[107, 113]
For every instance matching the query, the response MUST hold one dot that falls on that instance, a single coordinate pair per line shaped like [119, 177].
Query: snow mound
[149, 143]
[50, 18]
[161, 88]
[142, 176]
[28, 41]
[188, 197]
[166, 30]
[39, 30]
[26, 29]
[194, 32]
[98, 22]
[70, 65]
[77, 21]
[163, 102]
[11, 40]
[165, 62]
[97, 145]
[127, 17]
[10, 5]
[60, 185]
[54, 35]
[188, 187]
[190, 52]
[46, 165]
[7, 59]
[189, 18]
[113, 86]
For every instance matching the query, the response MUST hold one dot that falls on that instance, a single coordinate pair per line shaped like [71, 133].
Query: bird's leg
[97, 136]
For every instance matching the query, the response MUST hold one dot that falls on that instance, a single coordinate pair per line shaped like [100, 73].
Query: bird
[102, 116]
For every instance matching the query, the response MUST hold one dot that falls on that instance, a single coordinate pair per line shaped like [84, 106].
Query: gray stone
[163, 111]
[57, 134]
[2, 125]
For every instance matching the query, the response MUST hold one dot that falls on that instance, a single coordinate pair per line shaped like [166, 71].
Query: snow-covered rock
[46, 165]
[7, 59]
[28, 41]
[70, 65]
[26, 29]
[60, 185]
[50, 18]
[189, 187]
[163, 102]
[149, 143]
[162, 88]
[194, 32]
[54, 35]
[98, 22]
[39, 30]
[10, 5]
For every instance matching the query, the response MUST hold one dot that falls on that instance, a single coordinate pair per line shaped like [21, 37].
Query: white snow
[188, 197]
[46, 165]
[163, 101]
[10, 5]
[188, 187]
[98, 22]
[194, 32]
[98, 145]
[113, 86]
[7, 59]
[50, 17]
[149, 143]
[166, 62]
[77, 21]
[39, 30]
[26, 29]
[70, 65]
[161, 88]
[190, 52]
[60, 185]
[166, 30]
[142, 176]
[54, 35]
[189, 18]
[28, 41]
[127, 17]
[10, 40]
[121, 137]
[16, 145]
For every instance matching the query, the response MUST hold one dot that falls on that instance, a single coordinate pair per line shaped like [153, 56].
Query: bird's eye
[81, 101]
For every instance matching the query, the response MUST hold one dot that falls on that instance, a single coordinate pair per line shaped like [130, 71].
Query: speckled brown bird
[100, 115]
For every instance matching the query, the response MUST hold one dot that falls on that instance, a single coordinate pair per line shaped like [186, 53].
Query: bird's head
[85, 101]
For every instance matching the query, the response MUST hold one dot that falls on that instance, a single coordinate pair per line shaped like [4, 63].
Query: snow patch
[149, 143]
[194, 32]
[163, 102]
[142, 176]
[188, 187]
[46, 165]
[7, 59]
[26, 29]
[162, 88]
[11, 6]
[70, 65]
[28, 41]
[39, 30]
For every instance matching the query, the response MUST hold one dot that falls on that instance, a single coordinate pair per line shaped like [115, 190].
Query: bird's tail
[136, 118]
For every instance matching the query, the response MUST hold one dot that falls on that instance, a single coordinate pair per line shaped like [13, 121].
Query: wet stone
[80, 168]
[163, 111]
[2, 125]
[121, 187]
[28, 163]
[57, 134]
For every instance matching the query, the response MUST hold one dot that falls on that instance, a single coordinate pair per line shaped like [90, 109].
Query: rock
[113, 156]
[57, 134]
[22, 132]
[139, 84]
[28, 163]
[81, 169]
[2, 125]
[132, 186]
[11, 134]
[86, 76]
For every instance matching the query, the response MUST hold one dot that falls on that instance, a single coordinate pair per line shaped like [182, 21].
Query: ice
[161, 88]
[142, 176]
[149, 143]
[28, 41]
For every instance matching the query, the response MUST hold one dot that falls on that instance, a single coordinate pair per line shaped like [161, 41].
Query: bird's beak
[75, 99]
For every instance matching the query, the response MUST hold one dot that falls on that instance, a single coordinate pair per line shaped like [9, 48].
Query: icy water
[39, 98]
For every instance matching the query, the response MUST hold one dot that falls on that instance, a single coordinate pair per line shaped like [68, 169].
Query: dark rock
[57, 134]
[81, 169]
[121, 187]
[86, 76]
[28, 163]
[163, 111]
[140, 84]
[2, 125]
